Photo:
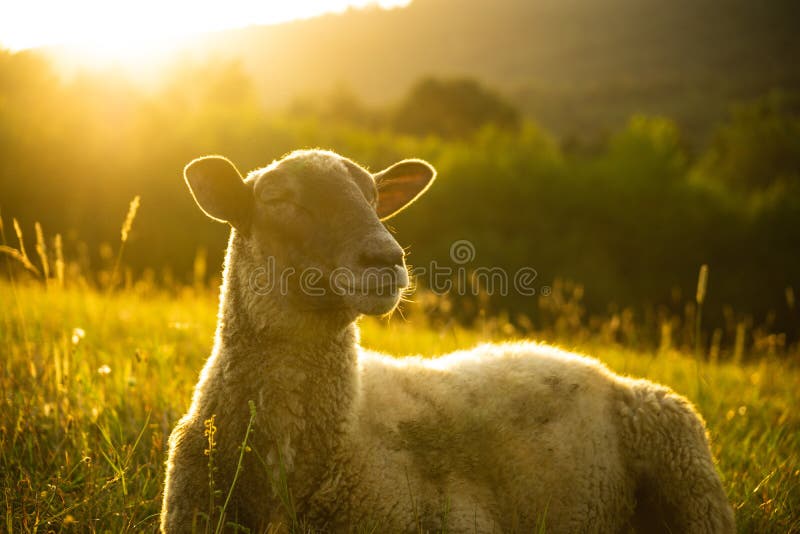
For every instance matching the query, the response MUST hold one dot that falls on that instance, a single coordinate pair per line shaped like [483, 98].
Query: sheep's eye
[291, 202]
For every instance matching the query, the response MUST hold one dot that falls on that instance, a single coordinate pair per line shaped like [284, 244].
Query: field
[620, 178]
[92, 383]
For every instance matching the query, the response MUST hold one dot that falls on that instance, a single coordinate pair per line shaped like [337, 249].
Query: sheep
[307, 428]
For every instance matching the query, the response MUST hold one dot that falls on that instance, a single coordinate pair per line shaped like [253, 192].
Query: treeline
[630, 217]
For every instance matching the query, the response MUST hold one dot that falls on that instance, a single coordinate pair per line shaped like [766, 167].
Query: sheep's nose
[382, 257]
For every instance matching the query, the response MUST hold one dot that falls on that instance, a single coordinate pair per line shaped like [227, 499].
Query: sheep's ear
[401, 184]
[220, 191]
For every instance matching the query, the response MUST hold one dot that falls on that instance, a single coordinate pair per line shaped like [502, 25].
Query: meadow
[92, 382]
[614, 148]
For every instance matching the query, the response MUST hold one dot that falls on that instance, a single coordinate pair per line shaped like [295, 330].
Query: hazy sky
[126, 24]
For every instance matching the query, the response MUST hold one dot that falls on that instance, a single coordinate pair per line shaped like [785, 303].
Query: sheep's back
[524, 427]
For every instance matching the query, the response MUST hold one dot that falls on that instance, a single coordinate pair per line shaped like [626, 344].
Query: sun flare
[105, 29]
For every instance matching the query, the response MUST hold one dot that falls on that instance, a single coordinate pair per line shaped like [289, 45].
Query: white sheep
[501, 438]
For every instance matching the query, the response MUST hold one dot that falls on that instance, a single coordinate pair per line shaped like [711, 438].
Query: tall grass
[93, 380]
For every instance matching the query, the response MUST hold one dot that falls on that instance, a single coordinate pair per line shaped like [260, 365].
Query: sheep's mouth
[377, 300]
[377, 295]
[386, 290]
[389, 289]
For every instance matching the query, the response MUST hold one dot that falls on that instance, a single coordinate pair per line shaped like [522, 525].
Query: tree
[453, 108]
[759, 147]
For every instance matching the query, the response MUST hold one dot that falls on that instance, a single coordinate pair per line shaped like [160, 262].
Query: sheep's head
[311, 223]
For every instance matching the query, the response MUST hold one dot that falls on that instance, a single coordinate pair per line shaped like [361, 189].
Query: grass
[92, 384]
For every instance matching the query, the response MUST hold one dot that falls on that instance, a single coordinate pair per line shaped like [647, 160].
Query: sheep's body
[499, 438]
[502, 438]
[510, 437]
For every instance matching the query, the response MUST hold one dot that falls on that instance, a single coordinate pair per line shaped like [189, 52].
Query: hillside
[571, 64]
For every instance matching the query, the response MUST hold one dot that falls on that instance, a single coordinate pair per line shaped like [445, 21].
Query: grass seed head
[702, 284]
[126, 226]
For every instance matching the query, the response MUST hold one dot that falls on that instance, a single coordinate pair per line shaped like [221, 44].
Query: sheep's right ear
[220, 191]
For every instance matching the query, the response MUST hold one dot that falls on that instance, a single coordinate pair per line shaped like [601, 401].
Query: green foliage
[648, 152]
[759, 147]
[452, 108]
[630, 218]
[340, 106]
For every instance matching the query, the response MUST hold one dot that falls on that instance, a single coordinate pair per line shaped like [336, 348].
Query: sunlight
[101, 29]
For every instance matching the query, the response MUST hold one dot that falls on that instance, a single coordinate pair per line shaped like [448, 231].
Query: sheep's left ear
[401, 184]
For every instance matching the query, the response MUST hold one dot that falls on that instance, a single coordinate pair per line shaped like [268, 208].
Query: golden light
[113, 29]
